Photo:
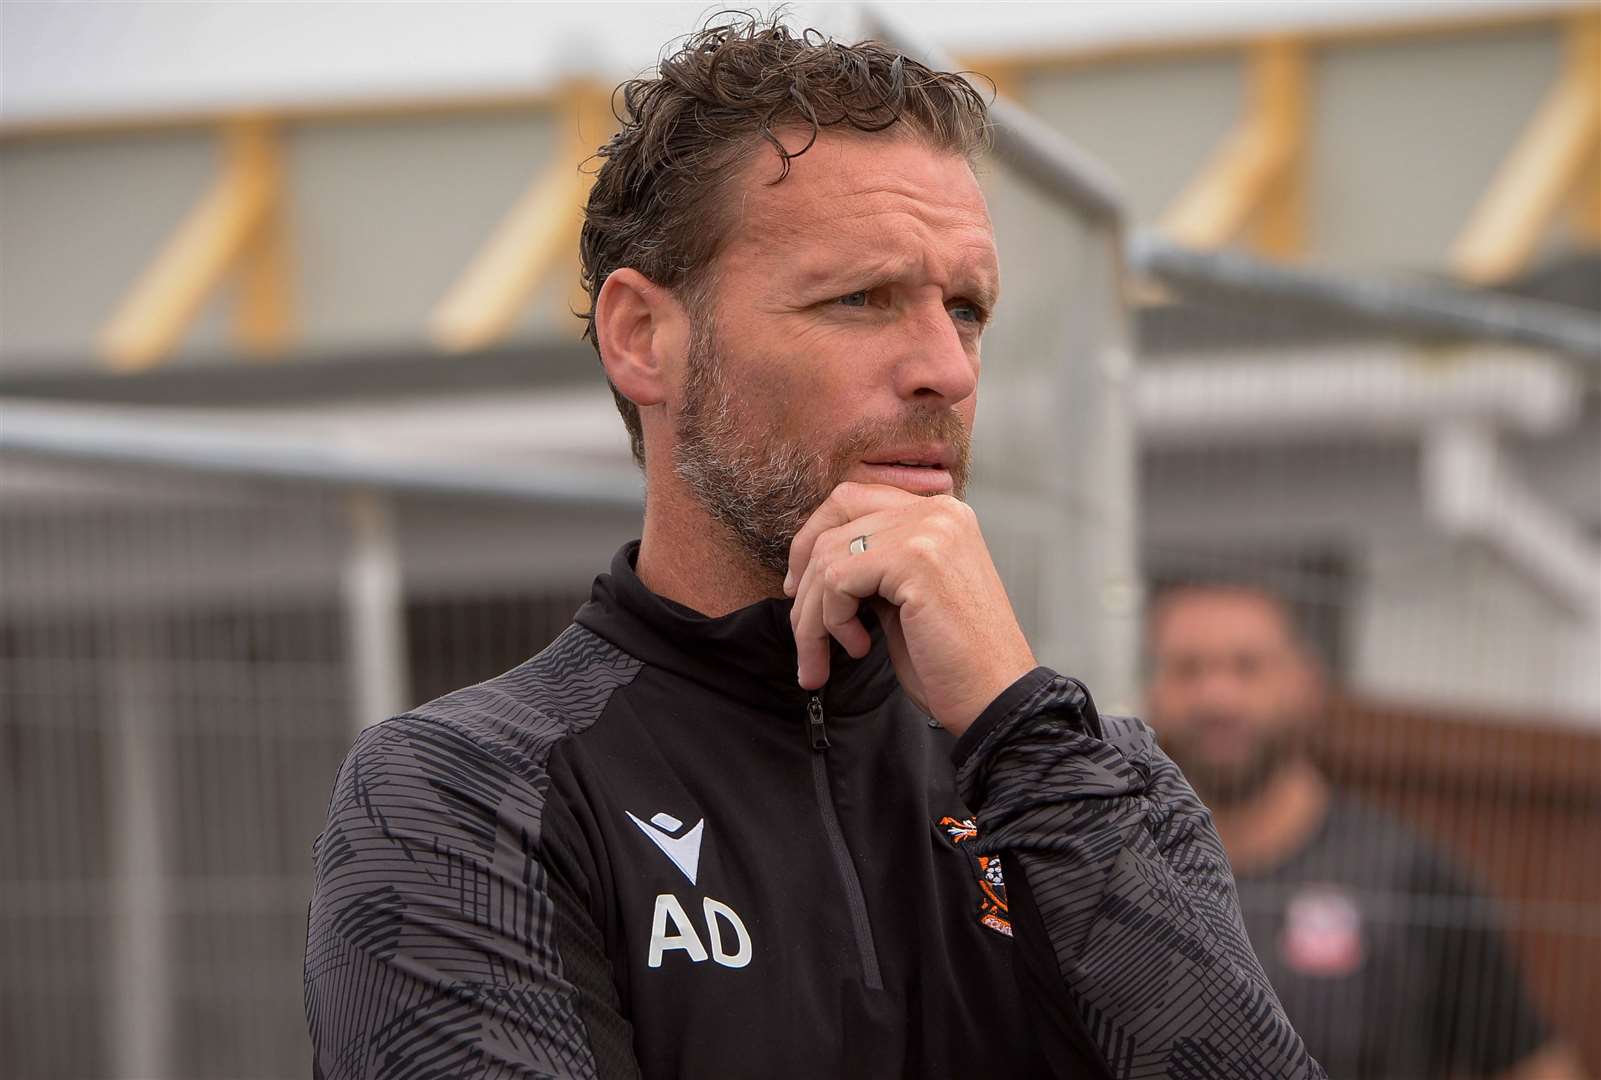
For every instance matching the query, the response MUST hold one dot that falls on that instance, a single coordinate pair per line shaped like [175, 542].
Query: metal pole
[374, 611]
[1094, 584]
[140, 1029]
[171, 439]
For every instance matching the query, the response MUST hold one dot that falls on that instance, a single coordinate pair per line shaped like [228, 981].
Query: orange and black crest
[992, 909]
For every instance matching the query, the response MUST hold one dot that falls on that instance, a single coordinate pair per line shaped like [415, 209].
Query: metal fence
[184, 660]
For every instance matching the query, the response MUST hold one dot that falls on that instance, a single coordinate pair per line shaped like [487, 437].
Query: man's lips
[919, 479]
[931, 457]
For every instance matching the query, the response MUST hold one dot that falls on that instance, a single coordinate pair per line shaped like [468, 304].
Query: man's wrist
[1007, 702]
[959, 720]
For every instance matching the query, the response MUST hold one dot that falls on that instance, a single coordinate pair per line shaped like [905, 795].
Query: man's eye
[855, 299]
[964, 312]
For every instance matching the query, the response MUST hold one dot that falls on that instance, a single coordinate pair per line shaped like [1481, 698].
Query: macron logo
[683, 849]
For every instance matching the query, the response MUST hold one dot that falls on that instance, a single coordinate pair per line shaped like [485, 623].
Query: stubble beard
[1232, 787]
[762, 485]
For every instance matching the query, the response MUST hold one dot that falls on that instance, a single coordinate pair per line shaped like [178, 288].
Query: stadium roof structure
[1177, 328]
[1189, 325]
[98, 57]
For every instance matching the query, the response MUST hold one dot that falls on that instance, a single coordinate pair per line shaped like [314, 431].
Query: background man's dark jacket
[1387, 956]
[647, 850]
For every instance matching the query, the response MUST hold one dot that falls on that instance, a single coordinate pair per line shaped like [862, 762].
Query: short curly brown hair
[715, 100]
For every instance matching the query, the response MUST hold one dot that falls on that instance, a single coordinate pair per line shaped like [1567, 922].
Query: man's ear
[643, 331]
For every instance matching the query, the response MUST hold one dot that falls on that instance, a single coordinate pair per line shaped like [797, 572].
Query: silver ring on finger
[859, 544]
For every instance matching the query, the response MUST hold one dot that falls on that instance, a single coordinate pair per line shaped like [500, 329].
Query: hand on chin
[954, 639]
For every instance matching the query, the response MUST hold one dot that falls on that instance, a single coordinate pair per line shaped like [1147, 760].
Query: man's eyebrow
[973, 282]
[855, 272]
[982, 288]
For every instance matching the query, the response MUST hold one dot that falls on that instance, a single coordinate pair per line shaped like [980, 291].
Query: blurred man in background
[1387, 960]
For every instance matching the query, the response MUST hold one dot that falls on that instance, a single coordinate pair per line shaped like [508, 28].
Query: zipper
[816, 727]
[855, 901]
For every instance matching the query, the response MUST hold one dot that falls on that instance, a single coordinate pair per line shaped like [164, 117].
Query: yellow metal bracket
[237, 225]
[538, 235]
[1256, 177]
[1557, 160]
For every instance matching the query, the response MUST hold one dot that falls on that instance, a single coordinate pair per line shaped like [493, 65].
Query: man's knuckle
[955, 509]
[942, 526]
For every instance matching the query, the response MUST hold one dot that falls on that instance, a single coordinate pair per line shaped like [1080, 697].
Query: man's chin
[1237, 784]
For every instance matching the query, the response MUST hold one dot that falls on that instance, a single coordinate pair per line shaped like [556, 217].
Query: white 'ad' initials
[682, 935]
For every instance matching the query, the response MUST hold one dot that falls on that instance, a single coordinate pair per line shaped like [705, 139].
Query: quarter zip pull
[855, 901]
[816, 728]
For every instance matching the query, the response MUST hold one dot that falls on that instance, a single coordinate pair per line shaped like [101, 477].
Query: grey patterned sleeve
[442, 938]
[1128, 930]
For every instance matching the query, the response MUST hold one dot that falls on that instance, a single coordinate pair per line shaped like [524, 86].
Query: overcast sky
[71, 57]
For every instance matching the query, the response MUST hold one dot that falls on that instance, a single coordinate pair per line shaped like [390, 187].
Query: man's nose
[1218, 685]
[935, 362]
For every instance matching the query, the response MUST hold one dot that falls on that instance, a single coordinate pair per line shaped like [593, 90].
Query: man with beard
[1386, 958]
[791, 797]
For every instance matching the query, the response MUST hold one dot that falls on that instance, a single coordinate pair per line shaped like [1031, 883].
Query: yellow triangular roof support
[1557, 160]
[236, 226]
[538, 236]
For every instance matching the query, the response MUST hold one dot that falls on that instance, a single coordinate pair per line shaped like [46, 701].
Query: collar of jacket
[748, 654]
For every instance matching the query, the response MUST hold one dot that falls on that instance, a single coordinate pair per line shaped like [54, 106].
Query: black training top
[647, 851]
[1389, 962]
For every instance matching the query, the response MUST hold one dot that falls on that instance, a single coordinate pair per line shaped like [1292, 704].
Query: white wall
[1430, 621]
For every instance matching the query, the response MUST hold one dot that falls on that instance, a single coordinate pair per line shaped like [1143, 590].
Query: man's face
[1231, 693]
[842, 336]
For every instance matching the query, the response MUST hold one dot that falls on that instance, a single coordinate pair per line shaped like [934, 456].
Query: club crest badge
[962, 833]
[1323, 933]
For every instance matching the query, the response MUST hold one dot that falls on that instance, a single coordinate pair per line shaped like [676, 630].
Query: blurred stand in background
[295, 432]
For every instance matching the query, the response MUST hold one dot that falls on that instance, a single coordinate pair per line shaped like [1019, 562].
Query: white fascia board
[1370, 392]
